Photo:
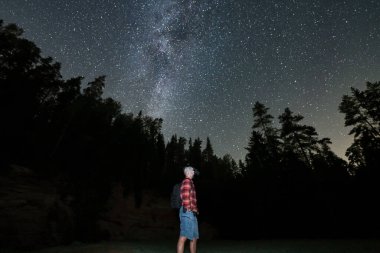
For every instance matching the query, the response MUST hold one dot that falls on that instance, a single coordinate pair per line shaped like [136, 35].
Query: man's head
[190, 171]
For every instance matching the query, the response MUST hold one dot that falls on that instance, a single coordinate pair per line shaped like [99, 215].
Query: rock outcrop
[32, 214]
[154, 219]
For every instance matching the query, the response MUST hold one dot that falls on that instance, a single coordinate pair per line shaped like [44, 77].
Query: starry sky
[202, 64]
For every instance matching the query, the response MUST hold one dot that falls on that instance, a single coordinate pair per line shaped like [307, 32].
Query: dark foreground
[257, 246]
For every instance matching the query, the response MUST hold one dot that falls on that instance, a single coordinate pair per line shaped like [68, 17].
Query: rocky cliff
[33, 214]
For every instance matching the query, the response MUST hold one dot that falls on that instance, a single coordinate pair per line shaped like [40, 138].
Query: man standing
[188, 212]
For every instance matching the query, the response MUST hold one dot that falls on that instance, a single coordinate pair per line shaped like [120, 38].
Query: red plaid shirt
[189, 195]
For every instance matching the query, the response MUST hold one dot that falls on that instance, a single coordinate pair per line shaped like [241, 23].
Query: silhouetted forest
[290, 183]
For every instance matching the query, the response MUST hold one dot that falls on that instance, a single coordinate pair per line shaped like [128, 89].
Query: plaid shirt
[189, 195]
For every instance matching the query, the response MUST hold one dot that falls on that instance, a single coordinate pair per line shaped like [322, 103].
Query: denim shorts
[189, 224]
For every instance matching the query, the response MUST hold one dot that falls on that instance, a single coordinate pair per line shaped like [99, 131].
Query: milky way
[169, 28]
[201, 64]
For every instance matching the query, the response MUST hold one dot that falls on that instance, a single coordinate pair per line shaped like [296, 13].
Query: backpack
[175, 196]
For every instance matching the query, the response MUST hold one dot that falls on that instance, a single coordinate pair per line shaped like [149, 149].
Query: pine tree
[297, 138]
[362, 110]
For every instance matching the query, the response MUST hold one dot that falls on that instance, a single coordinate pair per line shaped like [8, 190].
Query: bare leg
[181, 244]
[193, 246]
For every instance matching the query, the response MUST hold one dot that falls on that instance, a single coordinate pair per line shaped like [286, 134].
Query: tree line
[68, 131]
[294, 182]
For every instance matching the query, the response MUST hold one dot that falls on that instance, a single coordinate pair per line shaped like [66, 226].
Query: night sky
[202, 64]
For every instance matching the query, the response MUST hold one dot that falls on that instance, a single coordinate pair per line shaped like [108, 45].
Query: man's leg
[193, 246]
[181, 244]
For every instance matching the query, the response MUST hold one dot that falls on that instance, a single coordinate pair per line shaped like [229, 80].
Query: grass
[259, 246]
